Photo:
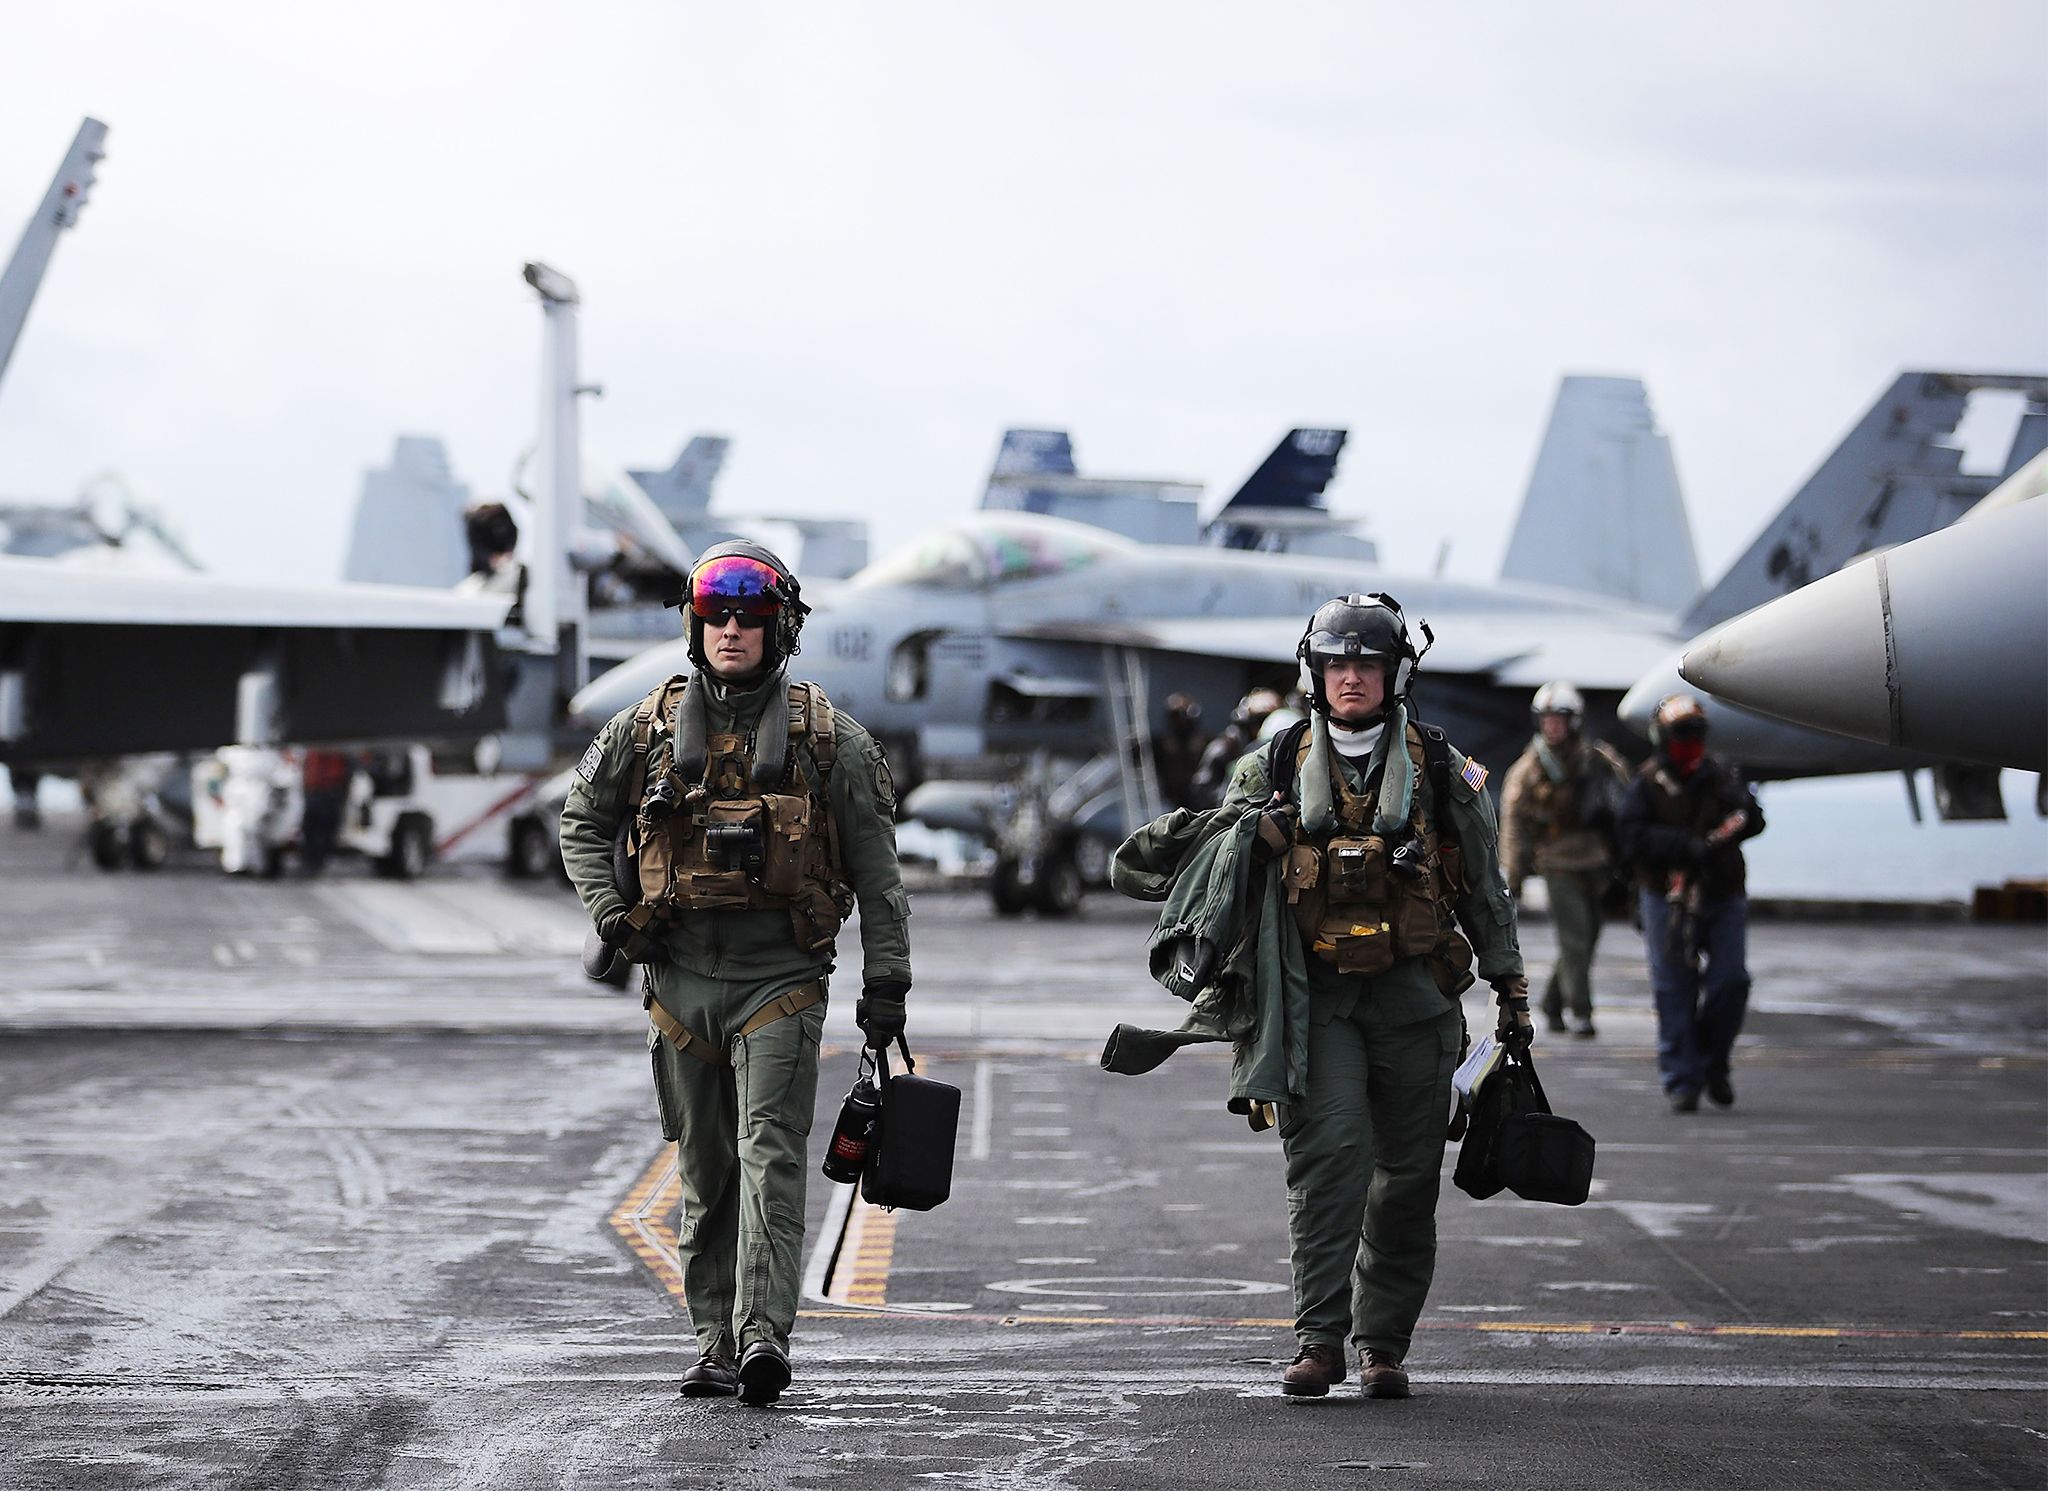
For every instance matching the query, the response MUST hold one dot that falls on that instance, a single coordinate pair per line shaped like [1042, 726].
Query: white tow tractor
[409, 808]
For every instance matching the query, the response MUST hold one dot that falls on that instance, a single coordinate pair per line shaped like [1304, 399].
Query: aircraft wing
[1510, 649]
[95, 664]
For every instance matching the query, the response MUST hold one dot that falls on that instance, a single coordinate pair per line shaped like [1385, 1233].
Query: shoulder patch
[1473, 775]
[592, 759]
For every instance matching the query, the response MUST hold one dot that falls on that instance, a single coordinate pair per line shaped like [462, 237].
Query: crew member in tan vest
[1557, 818]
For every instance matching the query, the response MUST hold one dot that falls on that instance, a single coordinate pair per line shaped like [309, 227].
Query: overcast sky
[862, 240]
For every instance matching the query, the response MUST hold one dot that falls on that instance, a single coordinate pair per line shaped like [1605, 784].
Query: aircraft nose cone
[1816, 657]
[1640, 702]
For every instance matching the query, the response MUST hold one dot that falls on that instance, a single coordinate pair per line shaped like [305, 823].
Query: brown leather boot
[1380, 1375]
[1315, 1371]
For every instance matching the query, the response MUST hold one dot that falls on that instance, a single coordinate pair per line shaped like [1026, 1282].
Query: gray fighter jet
[1013, 631]
[1939, 646]
[1895, 478]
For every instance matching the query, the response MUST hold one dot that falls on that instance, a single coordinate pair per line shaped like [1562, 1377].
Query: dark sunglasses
[751, 621]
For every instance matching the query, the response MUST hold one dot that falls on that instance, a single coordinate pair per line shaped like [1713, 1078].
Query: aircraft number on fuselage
[852, 644]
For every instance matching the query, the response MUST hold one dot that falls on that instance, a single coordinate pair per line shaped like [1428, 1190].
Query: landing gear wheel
[104, 841]
[529, 855]
[412, 846]
[1010, 896]
[149, 844]
[1058, 892]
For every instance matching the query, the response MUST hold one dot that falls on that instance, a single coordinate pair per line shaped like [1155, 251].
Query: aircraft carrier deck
[348, 1183]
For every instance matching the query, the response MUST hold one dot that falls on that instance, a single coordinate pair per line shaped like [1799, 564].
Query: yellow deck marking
[645, 1215]
[645, 1218]
[861, 1274]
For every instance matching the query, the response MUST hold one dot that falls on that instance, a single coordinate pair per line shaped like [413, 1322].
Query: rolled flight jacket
[910, 1161]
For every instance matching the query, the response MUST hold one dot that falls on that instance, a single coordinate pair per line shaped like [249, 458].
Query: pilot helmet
[749, 581]
[1559, 698]
[1678, 717]
[1253, 708]
[1360, 626]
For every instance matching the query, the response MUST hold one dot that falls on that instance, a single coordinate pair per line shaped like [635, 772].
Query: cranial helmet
[1678, 715]
[1361, 626]
[743, 577]
[1559, 698]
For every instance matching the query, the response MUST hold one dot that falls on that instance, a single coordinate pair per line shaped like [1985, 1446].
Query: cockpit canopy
[992, 549]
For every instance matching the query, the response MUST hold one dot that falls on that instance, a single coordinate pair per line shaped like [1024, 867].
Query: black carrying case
[1516, 1143]
[911, 1161]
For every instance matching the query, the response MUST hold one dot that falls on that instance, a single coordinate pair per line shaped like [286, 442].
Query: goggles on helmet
[1690, 728]
[735, 585]
[1325, 648]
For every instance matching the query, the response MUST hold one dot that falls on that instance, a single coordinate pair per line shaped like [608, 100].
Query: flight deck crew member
[1557, 817]
[756, 815]
[1681, 826]
[1382, 867]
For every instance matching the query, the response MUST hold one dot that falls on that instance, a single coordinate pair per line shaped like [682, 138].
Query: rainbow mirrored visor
[737, 585]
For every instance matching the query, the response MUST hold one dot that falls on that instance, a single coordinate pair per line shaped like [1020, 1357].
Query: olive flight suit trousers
[1575, 915]
[741, 1128]
[1364, 1157]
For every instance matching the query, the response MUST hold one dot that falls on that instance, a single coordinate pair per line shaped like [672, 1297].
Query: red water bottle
[854, 1135]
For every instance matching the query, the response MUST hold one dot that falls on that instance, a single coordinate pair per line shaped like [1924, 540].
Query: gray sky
[863, 239]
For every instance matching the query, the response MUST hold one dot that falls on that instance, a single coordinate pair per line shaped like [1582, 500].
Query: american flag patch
[1474, 774]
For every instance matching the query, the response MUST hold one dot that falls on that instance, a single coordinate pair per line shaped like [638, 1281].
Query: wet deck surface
[351, 1184]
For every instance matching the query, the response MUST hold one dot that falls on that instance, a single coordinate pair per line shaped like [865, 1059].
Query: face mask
[1686, 755]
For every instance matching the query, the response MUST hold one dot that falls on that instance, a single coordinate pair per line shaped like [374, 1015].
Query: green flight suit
[1365, 1149]
[742, 1124]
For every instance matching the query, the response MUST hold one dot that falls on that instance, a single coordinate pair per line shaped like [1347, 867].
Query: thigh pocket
[667, 1099]
[776, 1072]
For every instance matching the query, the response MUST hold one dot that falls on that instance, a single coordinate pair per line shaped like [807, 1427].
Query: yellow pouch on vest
[1354, 946]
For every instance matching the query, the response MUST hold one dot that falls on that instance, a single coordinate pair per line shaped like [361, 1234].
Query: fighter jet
[110, 645]
[1895, 478]
[1939, 646]
[1009, 631]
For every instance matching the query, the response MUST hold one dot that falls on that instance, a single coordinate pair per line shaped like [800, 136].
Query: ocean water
[1853, 838]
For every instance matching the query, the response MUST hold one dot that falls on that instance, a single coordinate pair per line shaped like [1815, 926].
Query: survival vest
[1583, 802]
[1363, 901]
[727, 842]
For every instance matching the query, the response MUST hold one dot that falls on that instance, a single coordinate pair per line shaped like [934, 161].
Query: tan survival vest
[730, 843]
[1360, 913]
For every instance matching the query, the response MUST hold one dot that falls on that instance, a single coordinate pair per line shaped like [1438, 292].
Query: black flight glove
[1275, 831]
[879, 1012]
[1516, 1030]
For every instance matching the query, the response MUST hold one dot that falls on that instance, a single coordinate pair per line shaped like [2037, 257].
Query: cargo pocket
[776, 1072]
[667, 1101]
[1451, 966]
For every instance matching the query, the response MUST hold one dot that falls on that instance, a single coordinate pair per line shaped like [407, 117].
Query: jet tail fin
[408, 526]
[1293, 475]
[1024, 454]
[683, 491]
[1290, 481]
[1893, 478]
[1603, 512]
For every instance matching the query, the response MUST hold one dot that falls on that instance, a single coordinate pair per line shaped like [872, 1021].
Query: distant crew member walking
[1390, 848]
[1557, 813]
[754, 815]
[1681, 825]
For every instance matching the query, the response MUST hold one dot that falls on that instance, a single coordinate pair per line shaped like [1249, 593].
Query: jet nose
[1816, 657]
[1640, 702]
